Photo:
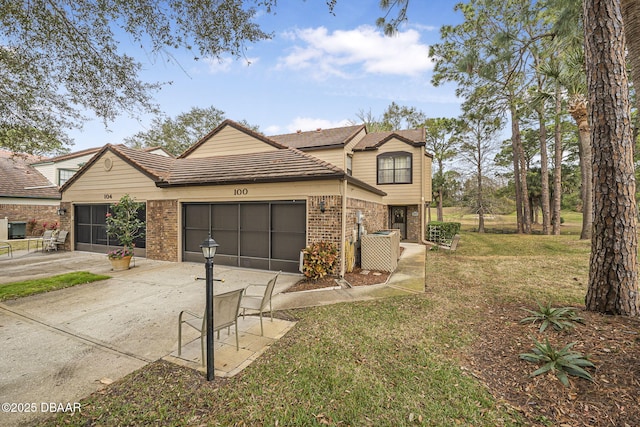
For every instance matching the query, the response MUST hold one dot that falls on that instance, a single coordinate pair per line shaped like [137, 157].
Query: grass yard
[36, 286]
[447, 357]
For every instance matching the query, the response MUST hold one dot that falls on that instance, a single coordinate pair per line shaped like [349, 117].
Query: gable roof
[155, 166]
[19, 179]
[284, 165]
[235, 125]
[320, 138]
[278, 165]
[372, 141]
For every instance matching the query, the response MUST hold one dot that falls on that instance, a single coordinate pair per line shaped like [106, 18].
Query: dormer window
[64, 175]
[395, 168]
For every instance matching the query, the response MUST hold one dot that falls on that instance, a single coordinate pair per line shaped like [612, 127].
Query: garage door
[264, 235]
[91, 230]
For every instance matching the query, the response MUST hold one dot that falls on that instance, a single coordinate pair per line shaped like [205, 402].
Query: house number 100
[240, 192]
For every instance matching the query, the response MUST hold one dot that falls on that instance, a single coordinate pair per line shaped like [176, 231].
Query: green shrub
[560, 318]
[442, 232]
[320, 259]
[561, 362]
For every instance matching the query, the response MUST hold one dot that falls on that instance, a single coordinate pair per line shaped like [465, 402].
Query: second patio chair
[226, 308]
[259, 301]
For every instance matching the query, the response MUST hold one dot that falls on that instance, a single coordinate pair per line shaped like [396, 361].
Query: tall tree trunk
[578, 109]
[557, 167]
[480, 204]
[613, 271]
[520, 174]
[544, 175]
[522, 193]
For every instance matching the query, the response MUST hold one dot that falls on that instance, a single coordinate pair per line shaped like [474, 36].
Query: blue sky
[318, 70]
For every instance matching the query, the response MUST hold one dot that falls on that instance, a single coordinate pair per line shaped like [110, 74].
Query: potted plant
[124, 225]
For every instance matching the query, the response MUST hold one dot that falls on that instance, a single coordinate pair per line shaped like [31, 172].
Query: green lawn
[392, 362]
[571, 221]
[36, 286]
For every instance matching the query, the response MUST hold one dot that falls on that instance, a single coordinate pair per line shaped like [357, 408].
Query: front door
[398, 220]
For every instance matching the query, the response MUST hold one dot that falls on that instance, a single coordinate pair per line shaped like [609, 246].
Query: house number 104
[240, 192]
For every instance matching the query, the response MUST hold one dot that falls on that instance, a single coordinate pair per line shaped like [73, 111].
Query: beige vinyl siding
[334, 156]
[355, 140]
[98, 185]
[237, 193]
[355, 192]
[230, 141]
[365, 169]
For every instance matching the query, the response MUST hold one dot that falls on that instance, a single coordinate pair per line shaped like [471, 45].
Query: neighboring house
[25, 194]
[59, 169]
[263, 199]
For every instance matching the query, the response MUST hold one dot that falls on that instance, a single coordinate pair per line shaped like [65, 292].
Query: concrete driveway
[61, 346]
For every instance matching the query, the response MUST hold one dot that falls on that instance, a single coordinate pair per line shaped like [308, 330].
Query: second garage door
[264, 235]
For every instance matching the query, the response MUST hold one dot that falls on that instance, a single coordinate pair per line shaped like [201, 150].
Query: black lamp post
[209, 247]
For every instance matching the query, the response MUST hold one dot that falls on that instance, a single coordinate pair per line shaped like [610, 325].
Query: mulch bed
[612, 344]
[355, 278]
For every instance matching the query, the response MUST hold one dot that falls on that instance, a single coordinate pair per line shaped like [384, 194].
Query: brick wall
[65, 224]
[41, 213]
[162, 230]
[375, 216]
[413, 223]
[325, 226]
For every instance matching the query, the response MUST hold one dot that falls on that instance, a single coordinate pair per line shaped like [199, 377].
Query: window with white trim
[395, 168]
[64, 175]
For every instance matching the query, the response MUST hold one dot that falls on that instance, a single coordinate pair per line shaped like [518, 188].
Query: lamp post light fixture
[209, 247]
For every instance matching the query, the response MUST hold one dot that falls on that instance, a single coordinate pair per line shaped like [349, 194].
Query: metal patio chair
[226, 308]
[259, 302]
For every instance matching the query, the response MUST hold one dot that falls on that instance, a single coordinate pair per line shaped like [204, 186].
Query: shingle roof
[20, 180]
[374, 140]
[320, 138]
[156, 166]
[278, 165]
[69, 155]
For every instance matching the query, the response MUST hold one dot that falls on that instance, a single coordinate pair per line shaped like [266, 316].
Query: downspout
[343, 237]
[423, 181]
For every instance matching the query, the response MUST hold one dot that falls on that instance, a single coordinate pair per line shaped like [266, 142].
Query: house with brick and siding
[262, 198]
[25, 194]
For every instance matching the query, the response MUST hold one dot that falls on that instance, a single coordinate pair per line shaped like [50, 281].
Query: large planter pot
[120, 264]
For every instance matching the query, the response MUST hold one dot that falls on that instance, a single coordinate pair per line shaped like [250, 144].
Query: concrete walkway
[60, 346]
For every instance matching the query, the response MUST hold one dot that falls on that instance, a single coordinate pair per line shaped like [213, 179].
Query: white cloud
[350, 53]
[305, 124]
[309, 123]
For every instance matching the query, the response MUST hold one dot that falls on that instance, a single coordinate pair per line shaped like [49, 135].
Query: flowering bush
[320, 259]
[123, 224]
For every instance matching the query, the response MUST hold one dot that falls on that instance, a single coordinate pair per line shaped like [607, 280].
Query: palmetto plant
[562, 362]
[560, 317]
